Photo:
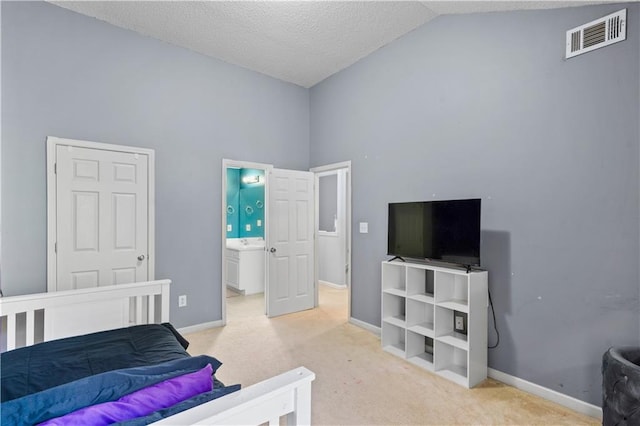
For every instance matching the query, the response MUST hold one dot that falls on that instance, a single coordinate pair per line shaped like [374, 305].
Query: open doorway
[271, 260]
[333, 230]
[244, 219]
[283, 236]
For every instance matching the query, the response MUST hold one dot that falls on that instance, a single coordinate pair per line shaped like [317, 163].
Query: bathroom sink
[245, 243]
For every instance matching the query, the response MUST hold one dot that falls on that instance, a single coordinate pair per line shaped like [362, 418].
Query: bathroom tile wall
[233, 202]
[245, 203]
[251, 208]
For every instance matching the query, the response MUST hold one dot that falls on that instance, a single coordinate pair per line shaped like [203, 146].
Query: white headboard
[68, 313]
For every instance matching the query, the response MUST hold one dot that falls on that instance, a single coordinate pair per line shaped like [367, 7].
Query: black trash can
[621, 387]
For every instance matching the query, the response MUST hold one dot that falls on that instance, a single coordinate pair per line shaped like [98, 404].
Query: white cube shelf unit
[419, 302]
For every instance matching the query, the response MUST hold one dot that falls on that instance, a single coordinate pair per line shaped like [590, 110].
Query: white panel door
[101, 217]
[290, 286]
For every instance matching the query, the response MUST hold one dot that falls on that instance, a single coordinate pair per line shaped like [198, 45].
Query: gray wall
[68, 75]
[485, 106]
[331, 258]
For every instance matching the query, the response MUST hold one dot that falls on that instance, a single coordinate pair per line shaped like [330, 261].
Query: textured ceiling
[302, 42]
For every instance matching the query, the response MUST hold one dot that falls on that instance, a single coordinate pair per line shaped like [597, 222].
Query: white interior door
[101, 217]
[290, 286]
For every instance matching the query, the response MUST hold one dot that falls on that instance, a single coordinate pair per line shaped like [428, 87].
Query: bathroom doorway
[244, 220]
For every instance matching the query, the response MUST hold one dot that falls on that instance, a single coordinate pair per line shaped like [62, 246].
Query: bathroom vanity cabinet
[245, 268]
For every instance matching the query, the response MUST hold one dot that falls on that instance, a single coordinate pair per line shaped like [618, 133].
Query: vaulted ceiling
[302, 42]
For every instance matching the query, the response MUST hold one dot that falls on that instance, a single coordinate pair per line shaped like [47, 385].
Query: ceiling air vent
[595, 34]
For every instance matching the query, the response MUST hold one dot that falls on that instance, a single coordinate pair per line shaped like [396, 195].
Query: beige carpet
[356, 382]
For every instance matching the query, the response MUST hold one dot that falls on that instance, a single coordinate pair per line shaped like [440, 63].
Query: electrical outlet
[182, 301]
[460, 322]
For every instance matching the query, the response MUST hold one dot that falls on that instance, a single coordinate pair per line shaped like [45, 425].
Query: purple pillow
[141, 403]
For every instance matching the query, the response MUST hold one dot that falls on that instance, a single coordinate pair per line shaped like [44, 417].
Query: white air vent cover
[595, 34]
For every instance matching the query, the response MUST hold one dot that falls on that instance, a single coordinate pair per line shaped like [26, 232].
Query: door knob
[273, 250]
[141, 257]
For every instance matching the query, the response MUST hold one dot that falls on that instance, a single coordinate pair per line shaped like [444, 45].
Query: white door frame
[52, 144]
[320, 171]
[226, 163]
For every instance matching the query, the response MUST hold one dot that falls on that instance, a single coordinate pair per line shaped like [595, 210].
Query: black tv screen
[437, 230]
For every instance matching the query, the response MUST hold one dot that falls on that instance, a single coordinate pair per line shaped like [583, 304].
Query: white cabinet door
[101, 217]
[233, 272]
[291, 246]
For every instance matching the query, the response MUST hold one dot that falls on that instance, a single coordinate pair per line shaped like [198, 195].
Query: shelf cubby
[452, 291]
[420, 317]
[451, 362]
[420, 284]
[420, 350]
[394, 279]
[393, 339]
[444, 329]
[394, 309]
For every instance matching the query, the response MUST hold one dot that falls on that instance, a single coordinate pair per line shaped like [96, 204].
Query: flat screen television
[447, 231]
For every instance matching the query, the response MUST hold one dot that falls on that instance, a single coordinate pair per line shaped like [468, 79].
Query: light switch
[229, 228]
[364, 227]
[258, 222]
[247, 227]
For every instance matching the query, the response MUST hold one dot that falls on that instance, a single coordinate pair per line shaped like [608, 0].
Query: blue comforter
[109, 386]
[42, 366]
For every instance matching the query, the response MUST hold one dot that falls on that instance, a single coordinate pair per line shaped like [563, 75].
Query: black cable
[495, 326]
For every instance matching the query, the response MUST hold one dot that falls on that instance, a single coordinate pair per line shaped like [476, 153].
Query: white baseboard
[372, 328]
[546, 393]
[199, 327]
[329, 284]
[518, 383]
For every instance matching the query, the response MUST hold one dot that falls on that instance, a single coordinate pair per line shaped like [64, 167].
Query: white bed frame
[39, 317]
